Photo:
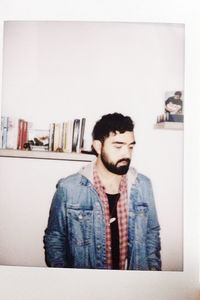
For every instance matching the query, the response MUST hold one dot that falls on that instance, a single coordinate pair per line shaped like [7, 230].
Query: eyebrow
[122, 143]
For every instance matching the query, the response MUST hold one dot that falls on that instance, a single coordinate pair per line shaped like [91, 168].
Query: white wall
[90, 69]
[54, 71]
[25, 200]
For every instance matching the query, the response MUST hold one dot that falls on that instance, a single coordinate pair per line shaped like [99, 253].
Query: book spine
[1, 134]
[65, 137]
[20, 134]
[81, 135]
[56, 137]
[60, 144]
[69, 136]
[4, 126]
[51, 136]
[12, 133]
[24, 134]
[75, 136]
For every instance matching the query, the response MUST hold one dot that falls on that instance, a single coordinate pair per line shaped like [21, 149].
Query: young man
[104, 216]
[174, 104]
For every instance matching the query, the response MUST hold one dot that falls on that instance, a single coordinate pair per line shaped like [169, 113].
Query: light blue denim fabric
[75, 235]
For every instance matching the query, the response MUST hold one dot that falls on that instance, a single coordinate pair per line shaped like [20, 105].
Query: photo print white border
[36, 283]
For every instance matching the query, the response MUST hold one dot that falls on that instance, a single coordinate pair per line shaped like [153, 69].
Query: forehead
[126, 137]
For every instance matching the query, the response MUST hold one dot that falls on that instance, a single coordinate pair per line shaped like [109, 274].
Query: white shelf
[169, 125]
[46, 155]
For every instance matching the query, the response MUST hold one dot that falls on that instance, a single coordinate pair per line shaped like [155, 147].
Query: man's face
[116, 152]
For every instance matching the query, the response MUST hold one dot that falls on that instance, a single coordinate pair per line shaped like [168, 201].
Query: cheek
[111, 156]
[116, 155]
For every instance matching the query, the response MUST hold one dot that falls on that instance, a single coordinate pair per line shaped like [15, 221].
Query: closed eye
[118, 146]
[131, 146]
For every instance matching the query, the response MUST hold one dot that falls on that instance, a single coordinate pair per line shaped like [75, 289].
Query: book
[1, 134]
[51, 136]
[4, 130]
[12, 133]
[60, 144]
[24, 133]
[57, 143]
[20, 133]
[65, 136]
[75, 135]
[81, 135]
[69, 135]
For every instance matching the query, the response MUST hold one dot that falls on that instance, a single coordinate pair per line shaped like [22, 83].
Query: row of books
[167, 117]
[61, 137]
[14, 133]
[67, 136]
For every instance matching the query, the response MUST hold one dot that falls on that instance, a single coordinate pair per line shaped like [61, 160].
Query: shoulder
[144, 185]
[143, 178]
[72, 179]
[142, 188]
[137, 177]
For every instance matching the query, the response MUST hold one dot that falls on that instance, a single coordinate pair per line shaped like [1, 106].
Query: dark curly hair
[178, 93]
[111, 123]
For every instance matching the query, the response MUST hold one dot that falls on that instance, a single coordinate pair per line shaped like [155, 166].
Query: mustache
[124, 160]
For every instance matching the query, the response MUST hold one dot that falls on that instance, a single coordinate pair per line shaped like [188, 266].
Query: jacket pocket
[141, 217]
[79, 226]
[138, 220]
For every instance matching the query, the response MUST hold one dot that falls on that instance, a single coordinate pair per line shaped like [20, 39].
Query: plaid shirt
[122, 213]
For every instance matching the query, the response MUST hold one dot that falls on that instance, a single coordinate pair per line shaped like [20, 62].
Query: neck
[109, 180]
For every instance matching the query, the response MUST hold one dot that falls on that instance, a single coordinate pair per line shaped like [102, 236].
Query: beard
[116, 168]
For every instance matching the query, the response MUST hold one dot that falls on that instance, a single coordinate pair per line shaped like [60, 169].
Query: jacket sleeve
[55, 233]
[153, 245]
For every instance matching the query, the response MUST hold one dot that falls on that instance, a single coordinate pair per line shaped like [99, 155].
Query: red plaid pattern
[122, 213]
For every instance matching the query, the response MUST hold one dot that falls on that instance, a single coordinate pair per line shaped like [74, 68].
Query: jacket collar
[87, 172]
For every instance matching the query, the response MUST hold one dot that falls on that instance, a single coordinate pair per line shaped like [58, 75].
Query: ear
[97, 145]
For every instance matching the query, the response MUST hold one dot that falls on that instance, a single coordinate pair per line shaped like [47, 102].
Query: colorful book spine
[22, 134]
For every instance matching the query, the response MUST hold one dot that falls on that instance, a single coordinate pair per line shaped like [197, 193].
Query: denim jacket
[75, 234]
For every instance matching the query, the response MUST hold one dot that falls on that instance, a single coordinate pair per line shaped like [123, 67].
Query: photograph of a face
[174, 103]
[114, 199]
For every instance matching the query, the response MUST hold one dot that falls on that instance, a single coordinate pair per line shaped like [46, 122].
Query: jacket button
[80, 216]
